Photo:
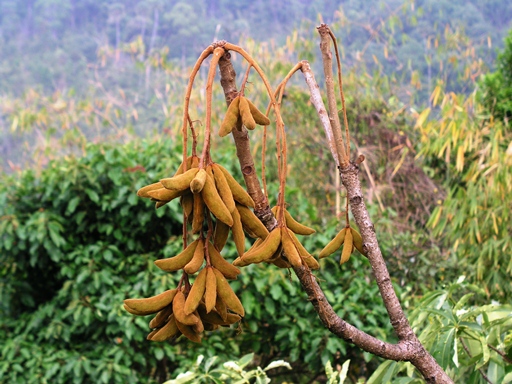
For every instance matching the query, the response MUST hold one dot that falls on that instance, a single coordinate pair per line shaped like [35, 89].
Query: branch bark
[408, 348]
[349, 172]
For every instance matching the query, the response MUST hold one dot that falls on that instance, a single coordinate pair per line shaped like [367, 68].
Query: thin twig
[484, 376]
[244, 81]
[342, 95]
[217, 54]
[334, 119]
[283, 148]
[194, 139]
[318, 103]
[207, 52]
[502, 354]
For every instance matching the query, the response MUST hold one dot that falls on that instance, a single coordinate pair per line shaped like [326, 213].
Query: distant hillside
[48, 44]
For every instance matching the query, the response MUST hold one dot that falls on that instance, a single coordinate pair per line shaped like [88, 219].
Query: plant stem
[217, 53]
[207, 52]
[325, 42]
[484, 376]
[331, 320]
[349, 172]
[243, 148]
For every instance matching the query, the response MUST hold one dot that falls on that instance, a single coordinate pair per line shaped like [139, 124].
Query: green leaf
[277, 364]
[445, 342]
[72, 204]
[344, 371]
[276, 291]
[485, 353]
[159, 354]
[383, 373]
[93, 195]
[245, 360]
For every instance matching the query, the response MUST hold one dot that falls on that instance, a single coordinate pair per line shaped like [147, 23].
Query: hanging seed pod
[246, 114]
[231, 118]
[258, 116]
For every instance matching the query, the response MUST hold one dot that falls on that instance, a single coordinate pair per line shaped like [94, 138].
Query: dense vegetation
[75, 240]
[47, 43]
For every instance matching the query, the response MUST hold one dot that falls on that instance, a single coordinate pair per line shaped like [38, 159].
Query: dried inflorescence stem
[207, 52]
[217, 54]
[318, 103]
[325, 42]
[342, 95]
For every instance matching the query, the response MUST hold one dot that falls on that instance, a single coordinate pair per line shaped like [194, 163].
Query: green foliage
[76, 241]
[230, 372]
[496, 87]
[333, 376]
[466, 340]
[472, 155]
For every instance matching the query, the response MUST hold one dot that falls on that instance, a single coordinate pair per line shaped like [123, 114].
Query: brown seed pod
[199, 327]
[239, 262]
[192, 162]
[246, 114]
[150, 335]
[290, 251]
[197, 259]
[263, 252]
[177, 262]
[210, 293]
[164, 195]
[251, 222]
[281, 263]
[258, 116]
[169, 330]
[237, 231]
[188, 331]
[214, 202]
[358, 241]
[348, 247]
[134, 312]
[228, 270]
[178, 308]
[161, 317]
[198, 214]
[221, 308]
[239, 193]
[226, 293]
[151, 304]
[231, 118]
[196, 292]
[295, 226]
[180, 182]
[223, 188]
[160, 204]
[143, 192]
[220, 235]
[197, 183]
[210, 327]
[334, 244]
[187, 203]
[306, 257]
[214, 318]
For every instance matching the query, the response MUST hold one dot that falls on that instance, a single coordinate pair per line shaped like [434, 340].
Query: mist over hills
[48, 44]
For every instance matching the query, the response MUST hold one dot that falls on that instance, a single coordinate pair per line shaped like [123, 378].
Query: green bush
[76, 241]
[468, 341]
[496, 88]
